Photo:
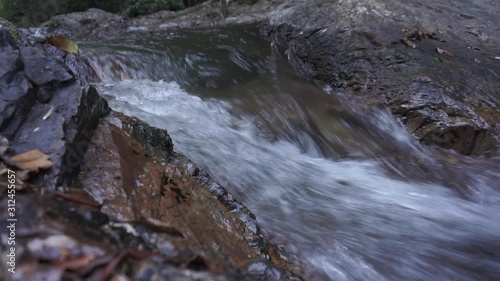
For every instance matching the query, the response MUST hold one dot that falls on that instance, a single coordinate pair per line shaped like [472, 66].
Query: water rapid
[338, 183]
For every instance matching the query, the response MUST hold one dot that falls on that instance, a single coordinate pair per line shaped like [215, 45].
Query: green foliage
[113, 6]
[145, 7]
[6, 9]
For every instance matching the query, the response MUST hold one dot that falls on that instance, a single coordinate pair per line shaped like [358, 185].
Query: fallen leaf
[477, 60]
[63, 43]
[32, 160]
[443, 51]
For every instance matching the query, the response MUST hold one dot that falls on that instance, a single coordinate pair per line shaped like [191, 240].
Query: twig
[112, 265]
[67, 197]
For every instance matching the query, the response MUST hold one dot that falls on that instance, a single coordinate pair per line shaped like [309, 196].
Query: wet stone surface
[361, 48]
[44, 106]
[64, 240]
[137, 179]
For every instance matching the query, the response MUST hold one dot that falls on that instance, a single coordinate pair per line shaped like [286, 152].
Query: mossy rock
[13, 30]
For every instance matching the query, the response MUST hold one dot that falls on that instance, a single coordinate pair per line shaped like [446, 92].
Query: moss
[13, 31]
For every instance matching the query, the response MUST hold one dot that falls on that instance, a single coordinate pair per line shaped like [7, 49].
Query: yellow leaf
[63, 43]
[32, 160]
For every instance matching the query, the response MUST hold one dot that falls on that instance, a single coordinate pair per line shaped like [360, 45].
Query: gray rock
[33, 83]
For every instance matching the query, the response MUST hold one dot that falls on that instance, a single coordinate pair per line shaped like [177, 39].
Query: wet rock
[61, 240]
[354, 46]
[160, 218]
[34, 83]
[138, 209]
[81, 23]
[131, 169]
[97, 24]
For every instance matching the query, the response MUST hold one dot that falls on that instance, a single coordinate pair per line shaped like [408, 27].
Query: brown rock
[137, 179]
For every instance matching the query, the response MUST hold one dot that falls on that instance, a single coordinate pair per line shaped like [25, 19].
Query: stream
[338, 183]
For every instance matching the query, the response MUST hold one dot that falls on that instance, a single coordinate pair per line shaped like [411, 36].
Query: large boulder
[95, 23]
[140, 212]
[132, 170]
[44, 106]
[432, 63]
[82, 24]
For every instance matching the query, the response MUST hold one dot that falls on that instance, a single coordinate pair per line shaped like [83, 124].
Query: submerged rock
[60, 240]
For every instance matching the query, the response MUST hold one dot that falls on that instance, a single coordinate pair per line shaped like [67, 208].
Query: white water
[345, 219]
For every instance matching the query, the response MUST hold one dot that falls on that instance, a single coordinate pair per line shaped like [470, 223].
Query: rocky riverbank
[435, 64]
[117, 201]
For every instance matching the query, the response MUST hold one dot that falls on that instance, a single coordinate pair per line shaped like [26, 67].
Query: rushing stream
[339, 184]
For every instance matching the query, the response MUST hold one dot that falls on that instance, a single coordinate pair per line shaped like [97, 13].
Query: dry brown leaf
[63, 43]
[32, 160]
[443, 51]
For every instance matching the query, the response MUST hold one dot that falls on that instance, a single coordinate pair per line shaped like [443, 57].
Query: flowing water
[339, 184]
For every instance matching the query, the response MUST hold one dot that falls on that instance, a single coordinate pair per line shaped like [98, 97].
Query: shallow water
[339, 184]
